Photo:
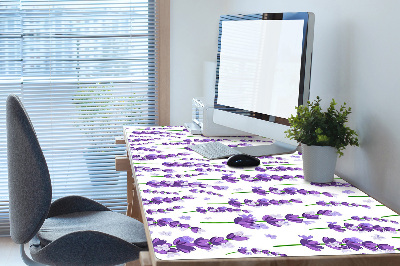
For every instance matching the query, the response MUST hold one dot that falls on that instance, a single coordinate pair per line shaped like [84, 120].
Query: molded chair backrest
[29, 181]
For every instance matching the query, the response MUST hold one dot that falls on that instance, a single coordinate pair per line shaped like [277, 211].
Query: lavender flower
[163, 221]
[362, 227]
[203, 243]
[201, 210]
[171, 223]
[161, 246]
[187, 244]
[159, 200]
[255, 250]
[236, 236]
[259, 191]
[390, 229]
[204, 191]
[290, 190]
[183, 244]
[230, 179]
[273, 221]
[353, 243]
[176, 183]
[174, 224]
[366, 227]
[311, 244]
[325, 212]
[271, 236]
[332, 243]
[365, 218]
[151, 211]
[217, 241]
[244, 251]
[310, 216]
[184, 226]
[335, 203]
[336, 227]
[348, 191]
[220, 187]
[247, 221]
[234, 202]
[351, 227]
[262, 202]
[385, 247]
[293, 218]
[370, 245]
[263, 177]
[195, 229]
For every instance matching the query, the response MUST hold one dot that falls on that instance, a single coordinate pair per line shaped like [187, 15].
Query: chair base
[26, 259]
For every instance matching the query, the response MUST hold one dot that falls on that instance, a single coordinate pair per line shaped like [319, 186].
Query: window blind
[83, 69]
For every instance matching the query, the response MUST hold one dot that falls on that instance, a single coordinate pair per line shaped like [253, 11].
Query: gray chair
[70, 231]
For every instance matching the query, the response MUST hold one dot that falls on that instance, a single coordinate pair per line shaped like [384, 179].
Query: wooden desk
[203, 212]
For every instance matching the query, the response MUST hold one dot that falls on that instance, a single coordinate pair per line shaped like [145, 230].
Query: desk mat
[199, 209]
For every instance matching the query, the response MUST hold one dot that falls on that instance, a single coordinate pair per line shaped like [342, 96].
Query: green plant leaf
[312, 126]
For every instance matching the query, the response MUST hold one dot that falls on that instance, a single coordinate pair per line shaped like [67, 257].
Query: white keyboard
[214, 150]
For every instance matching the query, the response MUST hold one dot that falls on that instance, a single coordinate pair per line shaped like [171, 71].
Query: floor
[9, 253]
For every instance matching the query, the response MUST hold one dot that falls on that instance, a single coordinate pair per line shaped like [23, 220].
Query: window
[83, 69]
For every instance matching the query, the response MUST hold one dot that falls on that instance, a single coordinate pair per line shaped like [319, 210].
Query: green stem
[217, 222]
[292, 245]
[231, 253]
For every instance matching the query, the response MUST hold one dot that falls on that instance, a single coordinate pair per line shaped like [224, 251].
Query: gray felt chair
[70, 231]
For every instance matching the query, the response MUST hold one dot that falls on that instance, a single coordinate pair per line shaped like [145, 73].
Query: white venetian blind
[83, 69]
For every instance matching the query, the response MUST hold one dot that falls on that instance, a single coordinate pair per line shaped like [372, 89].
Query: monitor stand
[271, 149]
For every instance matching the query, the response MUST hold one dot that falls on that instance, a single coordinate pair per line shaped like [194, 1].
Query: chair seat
[108, 222]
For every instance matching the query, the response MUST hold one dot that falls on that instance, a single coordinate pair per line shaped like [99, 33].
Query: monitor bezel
[305, 70]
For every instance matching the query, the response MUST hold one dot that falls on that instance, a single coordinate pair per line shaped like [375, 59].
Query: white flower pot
[319, 163]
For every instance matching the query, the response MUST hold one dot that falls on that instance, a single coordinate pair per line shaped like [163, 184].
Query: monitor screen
[263, 71]
[260, 66]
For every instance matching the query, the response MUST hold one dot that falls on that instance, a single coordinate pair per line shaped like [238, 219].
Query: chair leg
[26, 259]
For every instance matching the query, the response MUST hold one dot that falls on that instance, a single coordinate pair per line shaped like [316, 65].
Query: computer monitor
[263, 73]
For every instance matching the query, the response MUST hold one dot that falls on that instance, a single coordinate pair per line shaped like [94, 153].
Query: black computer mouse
[240, 160]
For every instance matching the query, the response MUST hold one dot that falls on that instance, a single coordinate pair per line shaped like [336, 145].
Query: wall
[194, 41]
[355, 60]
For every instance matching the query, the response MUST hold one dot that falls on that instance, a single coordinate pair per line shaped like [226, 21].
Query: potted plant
[99, 107]
[323, 135]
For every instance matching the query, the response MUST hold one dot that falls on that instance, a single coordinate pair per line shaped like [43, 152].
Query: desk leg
[144, 260]
[129, 193]
[132, 197]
